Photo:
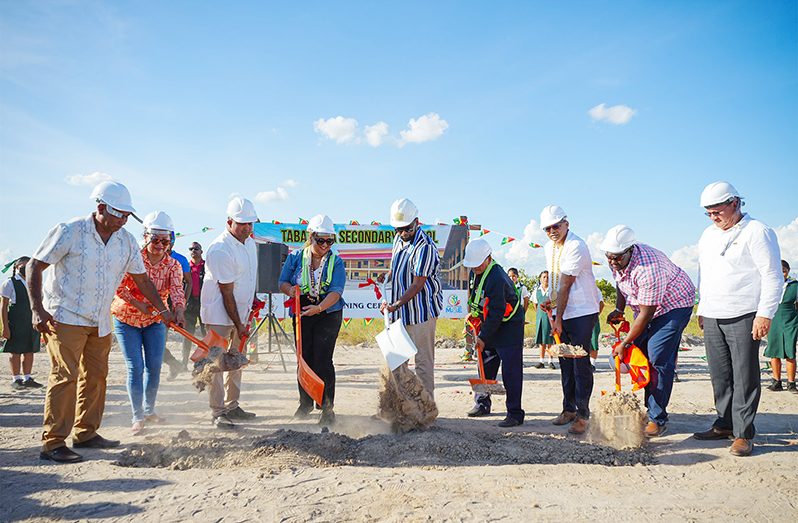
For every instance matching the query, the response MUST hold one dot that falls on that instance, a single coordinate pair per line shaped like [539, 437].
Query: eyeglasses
[406, 228]
[322, 241]
[553, 227]
[195, 248]
[116, 213]
[616, 257]
[716, 210]
[162, 241]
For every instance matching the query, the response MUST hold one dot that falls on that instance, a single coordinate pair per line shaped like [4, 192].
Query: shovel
[211, 339]
[308, 380]
[481, 385]
[395, 343]
[560, 349]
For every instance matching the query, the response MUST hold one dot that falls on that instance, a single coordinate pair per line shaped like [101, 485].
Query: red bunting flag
[347, 321]
[507, 239]
[303, 221]
[483, 232]
[376, 223]
[275, 222]
[367, 321]
[535, 245]
[354, 222]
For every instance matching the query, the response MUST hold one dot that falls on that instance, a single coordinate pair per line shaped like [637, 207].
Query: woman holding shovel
[141, 335]
[321, 277]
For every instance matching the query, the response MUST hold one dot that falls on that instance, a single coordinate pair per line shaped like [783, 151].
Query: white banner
[363, 303]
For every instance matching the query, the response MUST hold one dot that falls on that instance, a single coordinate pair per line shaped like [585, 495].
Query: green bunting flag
[535, 245]
[507, 239]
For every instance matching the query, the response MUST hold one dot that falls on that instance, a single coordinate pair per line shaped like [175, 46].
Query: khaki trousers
[225, 387]
[75, 397]
[423, 335]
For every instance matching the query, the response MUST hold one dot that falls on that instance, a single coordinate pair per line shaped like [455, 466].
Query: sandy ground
[278, 469]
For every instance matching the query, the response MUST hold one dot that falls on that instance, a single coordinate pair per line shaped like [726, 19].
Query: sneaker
[32, 384]
[239, 413]
[478, 411]
[552, 366]
[540, 365]
[223, 422]
[775, 385]
[791, 387]
[467, 356]
[18, 384]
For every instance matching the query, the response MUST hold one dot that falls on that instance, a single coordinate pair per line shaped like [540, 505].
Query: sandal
[138, 427]
[154, 418]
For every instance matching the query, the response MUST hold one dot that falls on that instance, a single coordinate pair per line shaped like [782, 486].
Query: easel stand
[273, 336]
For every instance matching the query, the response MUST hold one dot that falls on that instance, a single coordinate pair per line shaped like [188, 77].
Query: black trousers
[319, 334]
[510, 357]
[576, 374]
[192, 321]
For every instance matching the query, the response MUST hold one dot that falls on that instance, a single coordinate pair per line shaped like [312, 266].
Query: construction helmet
[476, 252]
[321, 224]
[550, 215]
[718, 192]
[158, 221]
[618, 239]
[113, 194]
[241, 210]
[403, 212]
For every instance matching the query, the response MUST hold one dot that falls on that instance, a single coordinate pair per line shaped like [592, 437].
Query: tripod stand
[274, 326]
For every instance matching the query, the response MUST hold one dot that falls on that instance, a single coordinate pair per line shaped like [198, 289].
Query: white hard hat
[718, 192]
[476, 252]
[158, 220]
[403, 212]
[241, 210]
[322, 224]
[113, 194]
[618, 239]
[550, 215]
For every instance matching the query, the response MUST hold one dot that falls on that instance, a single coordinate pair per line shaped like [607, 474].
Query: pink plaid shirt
[652, 279]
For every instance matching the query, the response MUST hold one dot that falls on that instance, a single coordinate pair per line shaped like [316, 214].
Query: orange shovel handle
[551, 324]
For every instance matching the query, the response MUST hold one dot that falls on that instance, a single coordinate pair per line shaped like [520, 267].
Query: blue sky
[190, 102]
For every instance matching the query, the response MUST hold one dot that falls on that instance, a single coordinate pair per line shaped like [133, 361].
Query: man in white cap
[87, 258]
[495, 306]
[661, 296]
[575, 302]
[415, 286]
[739, 287]
[228, 290]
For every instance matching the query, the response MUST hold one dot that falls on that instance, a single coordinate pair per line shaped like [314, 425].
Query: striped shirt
[651, 279]
[417, 258]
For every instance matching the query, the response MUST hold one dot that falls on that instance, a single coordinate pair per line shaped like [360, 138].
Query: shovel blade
[310, 381]
[396, 345]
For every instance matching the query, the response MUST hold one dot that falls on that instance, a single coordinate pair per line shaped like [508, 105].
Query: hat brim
[551, 222]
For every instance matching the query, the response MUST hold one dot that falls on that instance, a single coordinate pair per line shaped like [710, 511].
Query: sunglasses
[617, 257]
[406, 228]
[322, 241]
[162, 241]
[718, 209]
[195, 248]
[116, 213]
[553, 227]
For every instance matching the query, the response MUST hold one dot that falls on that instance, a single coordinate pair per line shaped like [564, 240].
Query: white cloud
[788, 242]
[88, 179]
[6, 255]
[375, 134]
[425, 128]
[616, 114]
[340, 129]
[687, 258]
[279, 194]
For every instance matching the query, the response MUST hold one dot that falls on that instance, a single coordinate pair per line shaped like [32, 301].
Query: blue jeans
[143, 350]
[660, 342]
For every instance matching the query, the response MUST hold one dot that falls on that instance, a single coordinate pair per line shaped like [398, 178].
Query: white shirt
[228, 261]
[84, 272]
[573, 259]
[534, 295]
[524, 292]
[7, 289]
[739, 271]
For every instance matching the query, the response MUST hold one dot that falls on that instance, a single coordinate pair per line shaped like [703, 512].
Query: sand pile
[217, 360]
[404, 403]
[618, 420]
[436, 447]
[563, 350]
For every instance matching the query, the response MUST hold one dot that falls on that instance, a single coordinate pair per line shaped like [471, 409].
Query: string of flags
[201, 231]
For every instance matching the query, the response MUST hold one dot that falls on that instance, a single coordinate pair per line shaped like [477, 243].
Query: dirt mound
[217, 360]
[618, 420]
[433, 448]
[404, 403]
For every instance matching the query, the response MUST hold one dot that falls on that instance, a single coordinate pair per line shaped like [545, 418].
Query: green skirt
[783, 333]
[542, 328]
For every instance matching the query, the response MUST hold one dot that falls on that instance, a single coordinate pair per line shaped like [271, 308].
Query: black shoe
[676, 377]
[539, 365]
[18, 384]
[223, 422]
[478, 411]
[791, 387]
[32, 384]
[592, 367]
[552, 367]
[327, 417]
[509, 422]
[302, 412]
[239, 413]
[775, 385]
[97, 442]
[61, 455]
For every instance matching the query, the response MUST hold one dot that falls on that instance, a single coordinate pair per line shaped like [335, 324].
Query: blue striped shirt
[417, 258]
